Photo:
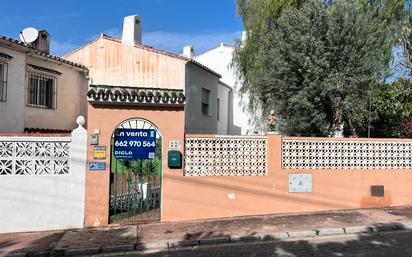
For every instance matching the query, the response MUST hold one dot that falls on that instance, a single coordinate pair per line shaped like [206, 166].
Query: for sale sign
[134, 144]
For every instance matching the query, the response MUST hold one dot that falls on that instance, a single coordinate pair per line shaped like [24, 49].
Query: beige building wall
[12, 110]
[112, 63]
[70, 99]
[16, 115]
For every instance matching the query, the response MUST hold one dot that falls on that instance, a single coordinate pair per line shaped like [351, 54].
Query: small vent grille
[378, 191]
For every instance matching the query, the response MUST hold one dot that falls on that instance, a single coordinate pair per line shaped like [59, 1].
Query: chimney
[132, 30]
[188, 51]
[42, 43]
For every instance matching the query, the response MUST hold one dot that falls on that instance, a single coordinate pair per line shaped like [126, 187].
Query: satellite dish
[29, 35]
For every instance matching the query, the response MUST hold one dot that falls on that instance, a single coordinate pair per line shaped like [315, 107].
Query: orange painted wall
[189, 198]
[169, 121]
[112, 63]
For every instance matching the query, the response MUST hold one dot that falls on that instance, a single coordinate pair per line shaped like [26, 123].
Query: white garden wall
[42, 182]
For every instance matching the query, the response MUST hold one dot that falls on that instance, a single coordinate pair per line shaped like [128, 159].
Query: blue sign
[134, 144]
[97, 166]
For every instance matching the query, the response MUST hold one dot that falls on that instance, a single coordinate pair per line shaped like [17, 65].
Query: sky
[167, 24]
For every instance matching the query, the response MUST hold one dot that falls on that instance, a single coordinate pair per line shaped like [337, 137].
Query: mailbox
[174, 159]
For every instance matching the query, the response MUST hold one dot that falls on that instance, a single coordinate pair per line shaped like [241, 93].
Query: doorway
[135, 184]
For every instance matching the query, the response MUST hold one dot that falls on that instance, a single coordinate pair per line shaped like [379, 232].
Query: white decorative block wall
[225, 156]
[34, 155]
[329, 154]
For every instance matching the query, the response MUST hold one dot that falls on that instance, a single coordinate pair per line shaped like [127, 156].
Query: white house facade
[224, 106]
[219, 60]
[216, 102]
[38, 92]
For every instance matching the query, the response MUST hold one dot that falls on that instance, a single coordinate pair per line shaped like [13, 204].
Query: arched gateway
[135, 172]
[131, 185]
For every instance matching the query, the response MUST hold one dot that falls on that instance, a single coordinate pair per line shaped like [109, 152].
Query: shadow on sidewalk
[388, 244]
[29, 242]
[210, 242]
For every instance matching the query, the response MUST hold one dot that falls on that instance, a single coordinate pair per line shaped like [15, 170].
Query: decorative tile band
[225, 156]
[135, 95]
[34, 157]
[327, 154]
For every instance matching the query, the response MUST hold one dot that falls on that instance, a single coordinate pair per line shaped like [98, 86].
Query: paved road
[391, 244]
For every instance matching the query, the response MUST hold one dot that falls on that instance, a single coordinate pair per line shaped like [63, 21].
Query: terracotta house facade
[118, 63]
[131, 83]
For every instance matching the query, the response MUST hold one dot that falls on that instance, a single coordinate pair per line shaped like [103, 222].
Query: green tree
[406, 43]
[258, 18]
[316, 65]
[392, 108]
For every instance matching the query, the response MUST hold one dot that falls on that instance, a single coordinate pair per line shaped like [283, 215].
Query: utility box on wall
[300, 183]
[174, 159]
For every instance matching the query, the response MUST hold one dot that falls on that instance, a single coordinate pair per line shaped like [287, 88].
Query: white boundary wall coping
[35, 139]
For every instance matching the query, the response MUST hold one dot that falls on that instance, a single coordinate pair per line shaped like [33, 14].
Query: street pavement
[388, 244]
[239, 231]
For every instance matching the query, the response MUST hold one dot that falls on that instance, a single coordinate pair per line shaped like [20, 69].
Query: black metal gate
[135, 189]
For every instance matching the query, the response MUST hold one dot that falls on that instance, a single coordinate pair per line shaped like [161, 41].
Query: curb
[301, 234]
[331, 231]
[245, 238]
[374, 229]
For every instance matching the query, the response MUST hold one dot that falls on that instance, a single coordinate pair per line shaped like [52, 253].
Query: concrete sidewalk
[177, 234]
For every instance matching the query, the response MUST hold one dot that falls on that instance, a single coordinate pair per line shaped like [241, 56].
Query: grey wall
[12, 110]
[195, 122]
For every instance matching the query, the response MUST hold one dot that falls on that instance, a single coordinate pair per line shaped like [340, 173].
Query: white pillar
[78, 156]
